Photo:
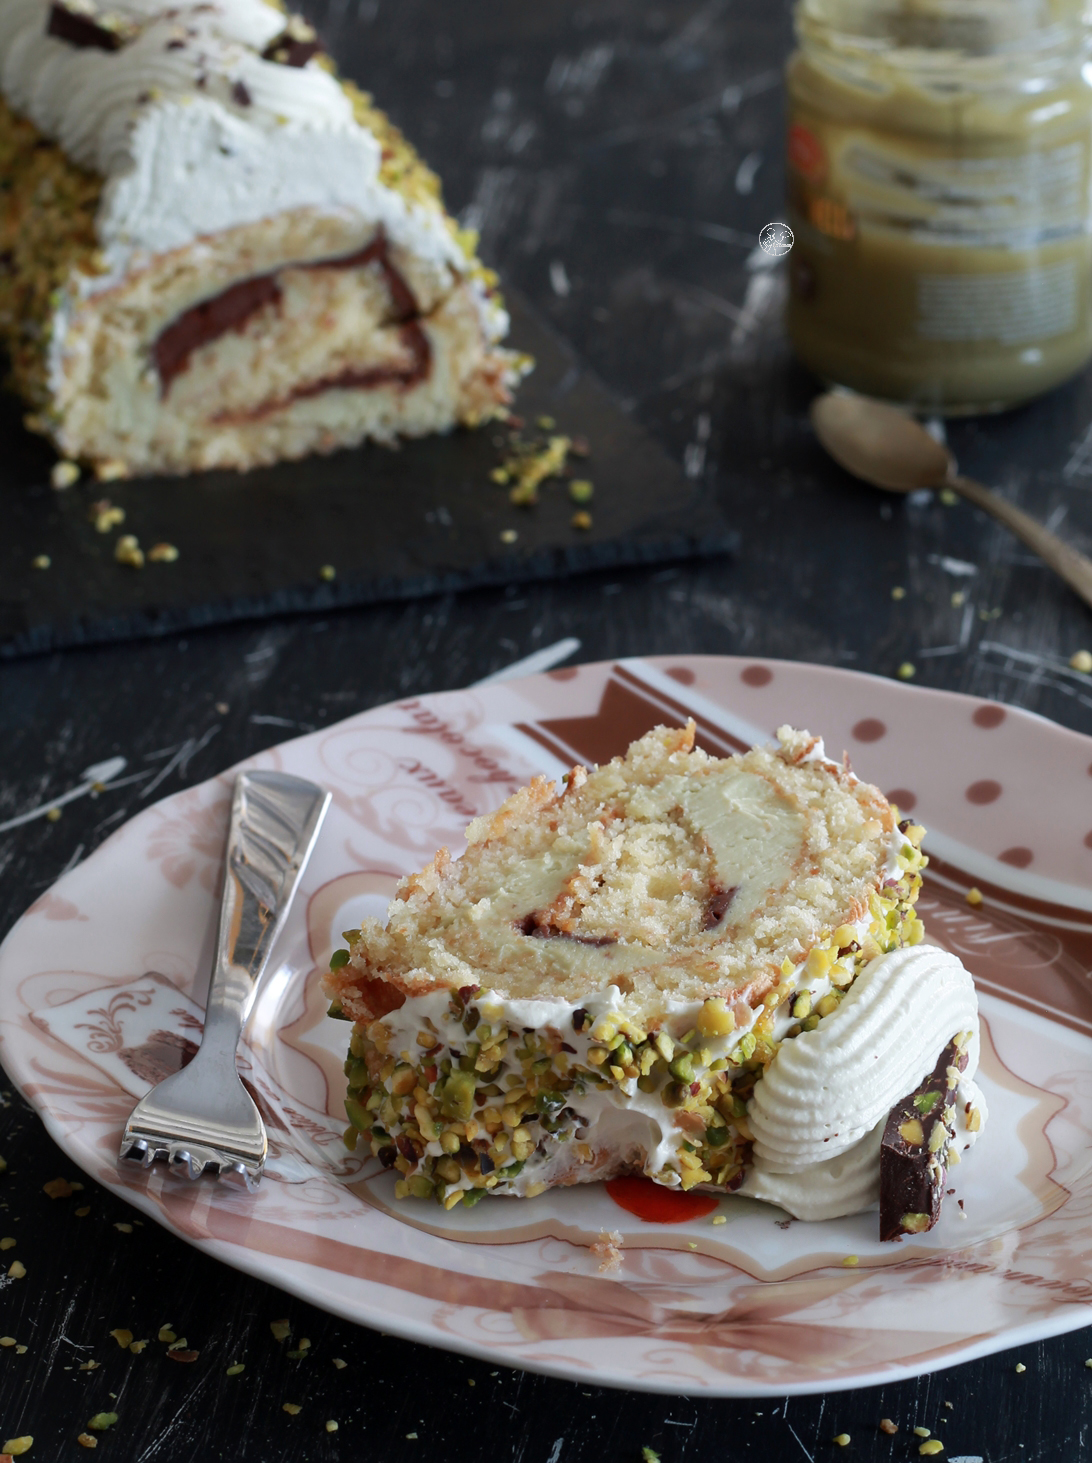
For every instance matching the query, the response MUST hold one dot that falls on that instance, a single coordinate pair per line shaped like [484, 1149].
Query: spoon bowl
[889, 449]
[879, 443]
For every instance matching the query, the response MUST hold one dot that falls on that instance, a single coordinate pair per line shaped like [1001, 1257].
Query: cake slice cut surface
[603, 979]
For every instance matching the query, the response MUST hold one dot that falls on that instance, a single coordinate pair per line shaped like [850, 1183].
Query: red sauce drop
[657, 1205]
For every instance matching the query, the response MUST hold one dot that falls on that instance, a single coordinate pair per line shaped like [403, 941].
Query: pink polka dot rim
[870, 729]
[981, 793]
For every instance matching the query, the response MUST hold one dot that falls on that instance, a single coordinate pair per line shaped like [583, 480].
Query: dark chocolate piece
[239, 94]
[538, 927]
[914, 1147]
[717, 907]
[288, 50]
[82, 30]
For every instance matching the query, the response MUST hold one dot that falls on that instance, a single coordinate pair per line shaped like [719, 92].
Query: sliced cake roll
[215, 253]
[605, 981]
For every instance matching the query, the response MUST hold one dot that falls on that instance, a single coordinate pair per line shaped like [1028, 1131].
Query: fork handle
[275, 820]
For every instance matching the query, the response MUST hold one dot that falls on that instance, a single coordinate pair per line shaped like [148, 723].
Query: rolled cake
[213, 253]
[706, 970]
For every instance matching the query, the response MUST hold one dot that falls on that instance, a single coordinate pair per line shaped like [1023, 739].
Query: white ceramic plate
[753, 1306]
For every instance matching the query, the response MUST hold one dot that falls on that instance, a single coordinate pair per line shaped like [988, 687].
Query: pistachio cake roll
[214, 253]
[705, 970]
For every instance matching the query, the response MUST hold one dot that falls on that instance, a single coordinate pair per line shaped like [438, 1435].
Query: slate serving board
[394, 524]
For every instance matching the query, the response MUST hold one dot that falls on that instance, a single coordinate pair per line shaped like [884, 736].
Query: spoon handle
[1072, 566]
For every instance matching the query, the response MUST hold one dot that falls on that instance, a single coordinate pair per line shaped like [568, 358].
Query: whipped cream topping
[613, 1116]
[819, 1112]
[195, 132]
[827, 1088]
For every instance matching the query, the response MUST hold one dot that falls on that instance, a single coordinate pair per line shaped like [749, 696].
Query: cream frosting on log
[234, 257]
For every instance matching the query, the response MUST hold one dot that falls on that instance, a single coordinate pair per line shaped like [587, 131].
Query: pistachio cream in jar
[939, 192]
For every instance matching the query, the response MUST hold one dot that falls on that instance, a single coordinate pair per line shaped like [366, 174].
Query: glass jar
[939, 193]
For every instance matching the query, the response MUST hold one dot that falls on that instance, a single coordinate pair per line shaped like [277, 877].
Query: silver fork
[202, 1117]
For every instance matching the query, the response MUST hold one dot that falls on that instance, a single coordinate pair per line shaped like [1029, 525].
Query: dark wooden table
[619, 158]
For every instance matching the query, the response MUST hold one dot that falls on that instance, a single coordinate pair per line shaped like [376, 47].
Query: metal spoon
[889, 449]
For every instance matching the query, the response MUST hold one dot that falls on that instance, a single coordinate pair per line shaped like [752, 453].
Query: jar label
[806, 154]
[1012, 308]
[1005, 202]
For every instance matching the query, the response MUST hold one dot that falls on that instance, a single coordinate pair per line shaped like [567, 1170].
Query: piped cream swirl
[826, 1089]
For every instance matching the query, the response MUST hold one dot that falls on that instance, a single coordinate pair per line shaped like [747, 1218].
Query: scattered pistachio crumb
[973, 895]
[105, 515]
[17, 1270]
[290, 1407]
[1088, 1363]
[720, 1219]
[340, 1364]
[82, 1212]
[179, 1344]
[581, 519]
[57, 1188]
[18, 1446]
[20, 1351]
[102, 1420]
[90, 1366]
[933, 1446]
[123, 1228]
[3, 1165]
[412, 1437]
[470, 1382]
[127, 550]
[236, 1368]
[7, 1243]
[907, 671]
[508, 536]
[122, 1337]
[166, 1334]
[921, 1432]
[331, 1425]
[327, 572]
[162, 554]
[898, 592]
[41, 561]
[110, 470]
[958, 598]
[1020, 1367]
[64, 474]
[7, 1340]
[280, 1329]
[888, 1427]
[529, 466]
[850, 1261]
[136, 1347]
[499, 475]
[842, 1439]
[53, 815]
[949, 497]
[581, 490]
[1081, 660]
[950, 1406]
[86, 1440]
[649, 1455]
[545, 424]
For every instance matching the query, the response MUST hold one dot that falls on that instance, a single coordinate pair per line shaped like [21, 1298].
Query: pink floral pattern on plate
[102, 987]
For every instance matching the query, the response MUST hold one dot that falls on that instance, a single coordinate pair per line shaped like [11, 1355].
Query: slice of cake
[214, 253]
[705, 970]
